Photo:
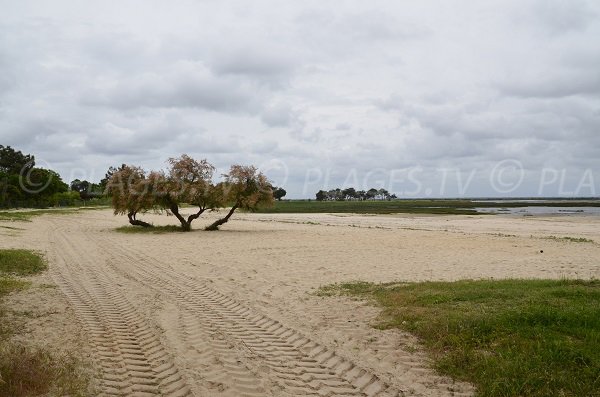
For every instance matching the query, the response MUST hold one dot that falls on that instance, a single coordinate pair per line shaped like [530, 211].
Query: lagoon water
[541, 210]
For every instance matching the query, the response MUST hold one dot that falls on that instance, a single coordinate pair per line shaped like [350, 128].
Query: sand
[233, 312]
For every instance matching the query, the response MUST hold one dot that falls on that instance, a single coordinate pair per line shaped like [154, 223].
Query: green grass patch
[570, 239]
[441, 207]
[26, 215]
[508, 337]
[14, 216]
[16, 262]
[21, 262]
[26, 370]
[413, 206]
[150, 230]
[33, 371]
[10, 284]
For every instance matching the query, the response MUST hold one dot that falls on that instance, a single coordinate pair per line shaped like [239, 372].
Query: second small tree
[244, 187]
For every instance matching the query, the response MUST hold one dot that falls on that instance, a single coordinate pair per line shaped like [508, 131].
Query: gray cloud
[561, 16]
[184, 85]
[267, 64]
[573, 82]
[279, 115]
[351, 92]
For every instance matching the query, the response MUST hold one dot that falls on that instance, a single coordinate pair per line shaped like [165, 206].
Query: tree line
[353, 194]
[22, 184]
[135, 191]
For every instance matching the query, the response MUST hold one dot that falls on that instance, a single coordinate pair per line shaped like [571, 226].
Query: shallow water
[541, 210]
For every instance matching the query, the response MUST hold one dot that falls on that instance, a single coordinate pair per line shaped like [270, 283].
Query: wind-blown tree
[189, 181]
[244, 187]
[104, 181]
[132, 192]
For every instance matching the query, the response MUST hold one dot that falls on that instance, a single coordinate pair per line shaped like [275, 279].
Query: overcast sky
[424, 98]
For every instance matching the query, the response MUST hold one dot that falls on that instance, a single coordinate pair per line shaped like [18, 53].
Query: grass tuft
[21, 262]
[9, 284]
[25, 370]
[26, 215]
[29, 371]
[508, 337]
[151, 230]
[570, 239]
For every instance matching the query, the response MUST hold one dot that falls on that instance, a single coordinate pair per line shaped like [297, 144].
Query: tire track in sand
[130, 357]
[296, 364]
[223, 369]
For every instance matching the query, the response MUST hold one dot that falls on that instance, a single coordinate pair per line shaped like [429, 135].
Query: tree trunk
[195, 216]
[215, 225]
[186, 224]
[136, 222]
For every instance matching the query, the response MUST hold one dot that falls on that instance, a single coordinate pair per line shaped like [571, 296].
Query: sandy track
[131, 358]
[233, 349]
[255, 354]
[230, 314]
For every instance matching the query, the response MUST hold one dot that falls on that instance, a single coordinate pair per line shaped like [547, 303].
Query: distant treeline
[23, 185]
[353, 194]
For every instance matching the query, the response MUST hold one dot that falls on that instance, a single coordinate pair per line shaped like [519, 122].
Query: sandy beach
[233, 312]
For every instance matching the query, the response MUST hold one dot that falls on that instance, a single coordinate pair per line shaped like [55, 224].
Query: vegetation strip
[570, 239]
[442, 207]
[25, 216]
[410, 206]
[508, 337]
[21, 262]
[29, 370]
[149, 230]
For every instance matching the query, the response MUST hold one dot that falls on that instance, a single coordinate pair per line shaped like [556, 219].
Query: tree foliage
[104, 181]
[189, 181]
[15, 162]
[244, 187]
[132, 193]
[24, 185]
[186, 181]
[279, 193]
[86, 190]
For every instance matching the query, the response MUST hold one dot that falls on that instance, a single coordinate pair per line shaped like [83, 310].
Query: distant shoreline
[524, 206]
